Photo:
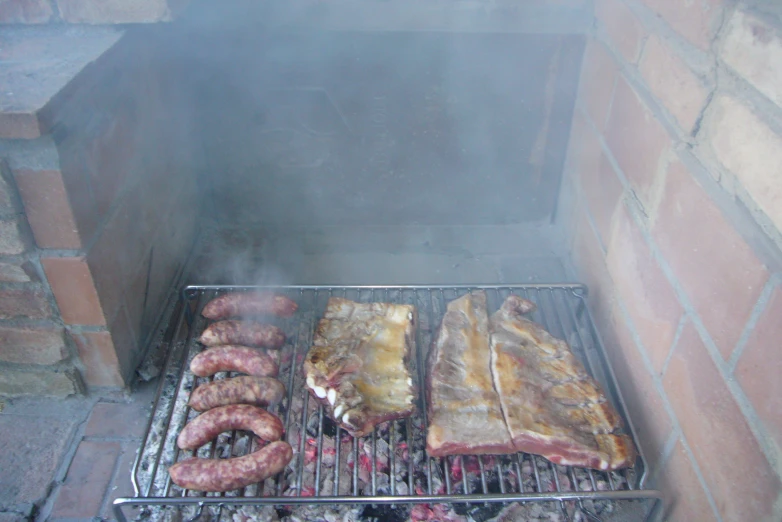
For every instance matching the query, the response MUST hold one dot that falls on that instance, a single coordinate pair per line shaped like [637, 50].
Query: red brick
[760, 366]
[121, 487]
[584, 147]
[13, 240]
[697, 21]
[117, 419]
[589, 261]
[717, 269]
[741, 480]
[96, 351]
[111, 155]
[25, 12]
[684, 497]
[75, 173]
[33, 345]
[644, 403]
[88, 477]
[103, 261]
[753, 48]
[19, 126]
[636, 139]
[48, 209]
[23, 302]
[117, 253]
[74, 290]
[751, 150]
[603, 193]
[597, 81]
[644, 289]
[673, 82]
[622, 26]
[113, 11]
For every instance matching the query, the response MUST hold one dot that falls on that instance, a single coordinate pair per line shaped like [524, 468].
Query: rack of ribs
[358, 365]
[504, 384]
[464, 411]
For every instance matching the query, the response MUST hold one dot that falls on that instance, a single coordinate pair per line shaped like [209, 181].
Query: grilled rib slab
[465, 416]
[552, 407]
[358, 363]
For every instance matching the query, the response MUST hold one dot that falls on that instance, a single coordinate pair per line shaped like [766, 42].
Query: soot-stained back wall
[310, 127]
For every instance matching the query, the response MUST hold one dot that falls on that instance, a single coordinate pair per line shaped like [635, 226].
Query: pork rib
[552, 407]
[358, 363]
[465, 416]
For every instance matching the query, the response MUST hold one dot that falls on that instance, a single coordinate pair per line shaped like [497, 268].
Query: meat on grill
[249, 304]
[245, 333]
[210, 424]
[465, 416]
[242, 359]
[552, 407]
[358, 363]
[228, 474]
[258, 391]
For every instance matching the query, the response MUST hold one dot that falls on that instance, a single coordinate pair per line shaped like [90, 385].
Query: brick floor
[118, 420]
[121, 485]
[89, 476]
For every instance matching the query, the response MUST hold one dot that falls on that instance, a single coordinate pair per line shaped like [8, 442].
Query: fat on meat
[358, 365]
[551, 406]
[465, 415]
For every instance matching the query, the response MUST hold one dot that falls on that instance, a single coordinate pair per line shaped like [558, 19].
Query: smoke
[314, 116]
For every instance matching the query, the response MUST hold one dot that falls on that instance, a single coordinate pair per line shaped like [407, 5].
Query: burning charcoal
[402, 488]
[383, 484]
[255, 513]
[329, 456]
[312, 423]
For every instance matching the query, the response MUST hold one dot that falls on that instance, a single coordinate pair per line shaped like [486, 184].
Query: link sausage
[243, 359]
[210, 424]
[246, 333]
[228, 474]
[258, 391]
[248, 304]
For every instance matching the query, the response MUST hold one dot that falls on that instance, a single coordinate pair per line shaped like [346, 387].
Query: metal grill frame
[561, 310]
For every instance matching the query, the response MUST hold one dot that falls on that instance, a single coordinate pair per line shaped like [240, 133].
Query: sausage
[228, 474]
[233, 359]
[246, 333]
[210, 424]
[258, 391]
[247, 304]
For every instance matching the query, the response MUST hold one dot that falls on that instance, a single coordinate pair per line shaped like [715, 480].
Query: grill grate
[388, 466]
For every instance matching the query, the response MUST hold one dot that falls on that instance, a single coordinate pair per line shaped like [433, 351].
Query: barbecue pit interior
[614, 161]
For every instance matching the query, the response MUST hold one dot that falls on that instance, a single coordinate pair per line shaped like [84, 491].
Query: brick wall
[97, 216]
[673, 191]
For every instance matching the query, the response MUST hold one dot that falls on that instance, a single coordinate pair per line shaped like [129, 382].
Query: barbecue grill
[327, 463]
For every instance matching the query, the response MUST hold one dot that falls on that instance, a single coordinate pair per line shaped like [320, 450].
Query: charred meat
[358, 365]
